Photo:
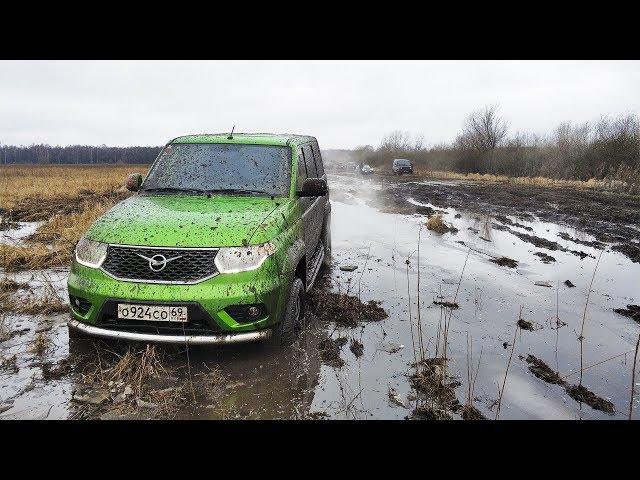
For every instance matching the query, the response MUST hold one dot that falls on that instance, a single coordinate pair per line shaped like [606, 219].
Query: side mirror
[314, 187]
[134, 181]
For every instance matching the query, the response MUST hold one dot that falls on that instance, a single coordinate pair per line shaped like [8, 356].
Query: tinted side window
[311, 166]
[318, 157]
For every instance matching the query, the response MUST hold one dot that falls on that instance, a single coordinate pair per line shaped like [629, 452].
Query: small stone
[544, 283]
[128, 391]
[119, 398]
[92, 398]
[144, 404]
[348, 268]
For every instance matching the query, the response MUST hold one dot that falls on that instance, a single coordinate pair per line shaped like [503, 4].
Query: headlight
[90, 253]
[243, 259]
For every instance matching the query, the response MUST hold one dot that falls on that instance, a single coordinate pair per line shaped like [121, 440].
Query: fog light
[247, 313]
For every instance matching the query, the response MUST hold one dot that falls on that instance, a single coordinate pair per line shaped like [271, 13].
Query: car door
[312, 208]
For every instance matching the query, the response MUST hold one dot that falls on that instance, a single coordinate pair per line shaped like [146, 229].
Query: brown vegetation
[602, 154]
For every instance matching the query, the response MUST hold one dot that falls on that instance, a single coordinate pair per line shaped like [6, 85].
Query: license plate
[152, 313]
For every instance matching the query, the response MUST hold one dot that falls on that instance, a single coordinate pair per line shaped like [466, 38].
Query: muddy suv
[401, 165]
[220, 244]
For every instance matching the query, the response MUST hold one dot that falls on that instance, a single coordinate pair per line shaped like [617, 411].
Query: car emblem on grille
[158, 262]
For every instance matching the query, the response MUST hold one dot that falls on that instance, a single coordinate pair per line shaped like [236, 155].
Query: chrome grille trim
[165, 282]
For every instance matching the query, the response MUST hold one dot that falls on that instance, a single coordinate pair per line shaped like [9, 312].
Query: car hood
[191, 221]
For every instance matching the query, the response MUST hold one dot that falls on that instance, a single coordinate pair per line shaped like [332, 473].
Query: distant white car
[366, 170]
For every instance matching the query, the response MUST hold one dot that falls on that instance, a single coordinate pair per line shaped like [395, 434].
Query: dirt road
[365, 371]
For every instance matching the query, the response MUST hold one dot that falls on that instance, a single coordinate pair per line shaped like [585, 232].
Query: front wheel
[286, 332]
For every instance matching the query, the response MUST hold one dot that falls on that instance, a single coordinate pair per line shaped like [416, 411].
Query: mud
[544, 257]
[505, 262]
[609, 217]
[543, 371]
[254, 381]
[330, 351]
[345, 310]
[582, 394]
[632, 311]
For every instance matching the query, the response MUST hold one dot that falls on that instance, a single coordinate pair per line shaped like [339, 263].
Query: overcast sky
[343, 103]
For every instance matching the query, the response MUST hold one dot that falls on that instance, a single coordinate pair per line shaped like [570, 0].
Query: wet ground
[377, 225]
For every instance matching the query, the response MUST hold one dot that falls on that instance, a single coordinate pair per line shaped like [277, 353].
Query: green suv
[223, 239]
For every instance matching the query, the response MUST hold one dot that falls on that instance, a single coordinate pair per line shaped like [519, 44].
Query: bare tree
[483, 130]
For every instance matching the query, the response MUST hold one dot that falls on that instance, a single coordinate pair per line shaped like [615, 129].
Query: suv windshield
[216, 167]
[402, 162]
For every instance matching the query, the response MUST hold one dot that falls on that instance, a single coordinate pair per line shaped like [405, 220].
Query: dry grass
[40, 344]
[436, 224]
[68, 198]
[14, 258]
[66, 230]
[591, 184]
[19, 182]
[48, 303]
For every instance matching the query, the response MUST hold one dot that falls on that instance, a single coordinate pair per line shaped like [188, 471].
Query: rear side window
[318, 158]
[302, 171]
[311, 165]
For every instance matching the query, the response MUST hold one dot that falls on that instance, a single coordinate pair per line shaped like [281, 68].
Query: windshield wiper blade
[173, 189]
[237, 190]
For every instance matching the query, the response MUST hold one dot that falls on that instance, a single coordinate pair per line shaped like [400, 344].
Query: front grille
[192, 265]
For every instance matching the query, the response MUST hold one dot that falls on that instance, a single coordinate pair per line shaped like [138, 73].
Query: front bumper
[176, 339]
[211, 298]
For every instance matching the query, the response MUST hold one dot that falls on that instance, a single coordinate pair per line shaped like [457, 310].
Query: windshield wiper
[174, 189]
[238, 190]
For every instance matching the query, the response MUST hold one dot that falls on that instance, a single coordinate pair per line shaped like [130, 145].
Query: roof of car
[246, 138]
[401, 160]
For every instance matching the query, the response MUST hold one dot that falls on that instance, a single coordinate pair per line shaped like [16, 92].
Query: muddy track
[608, 217]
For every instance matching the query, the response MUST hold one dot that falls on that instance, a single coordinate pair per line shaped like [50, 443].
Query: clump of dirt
[569, 283]
[344, 309]
[583, 395]
[544, 257]
[543, 371]
[631, 250]
[429, 412]
[594, 243]
[57, 370]
[632, 311]
[505, 262]
[508, 221]
[430, 379]
[356, 347]
[469, 412]
[8, 285]
[6, 224]
[548, 244]
[330, 351]
[436, 224]
[451, 305]
[527, 325]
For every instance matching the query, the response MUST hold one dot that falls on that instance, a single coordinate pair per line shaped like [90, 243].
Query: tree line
[77, 154]
[608, 148]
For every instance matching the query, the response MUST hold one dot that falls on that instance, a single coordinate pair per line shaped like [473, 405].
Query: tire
[286, 332]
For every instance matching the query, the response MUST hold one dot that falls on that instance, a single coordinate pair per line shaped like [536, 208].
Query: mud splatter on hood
[191, 221]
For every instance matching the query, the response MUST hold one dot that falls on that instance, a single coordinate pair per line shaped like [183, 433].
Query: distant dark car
[401, 165]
